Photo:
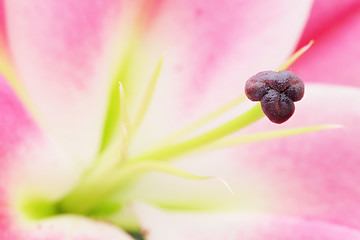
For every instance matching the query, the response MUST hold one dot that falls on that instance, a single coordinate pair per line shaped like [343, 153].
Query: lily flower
[100, 131]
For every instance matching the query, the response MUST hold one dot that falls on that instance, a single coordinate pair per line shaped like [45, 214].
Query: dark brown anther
[277, 92]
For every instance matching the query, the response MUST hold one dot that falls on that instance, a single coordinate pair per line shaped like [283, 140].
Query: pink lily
[59, 57]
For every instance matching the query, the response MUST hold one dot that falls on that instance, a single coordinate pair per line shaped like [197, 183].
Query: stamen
[124, 146]
[218, 112]
[112, 122]
[147, 96]
[118, 179]
[202, 121]
[239, 122]
[124, 113]
[125, 125]
[116, 152]
[137, 169]
[295, 56]
[262, 136]
[112, 118]
[98, 179]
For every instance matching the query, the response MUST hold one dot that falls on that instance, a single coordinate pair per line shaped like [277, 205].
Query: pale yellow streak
[262, 136]
[10, 76]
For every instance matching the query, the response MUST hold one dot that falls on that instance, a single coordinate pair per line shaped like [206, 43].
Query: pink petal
[312, 175]
[213, 47]
[59, 50]
[326, 14]
[32, 166]
[159, 225]
[3, 34]
[315, 175]
[30, 162]
[334, 58]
